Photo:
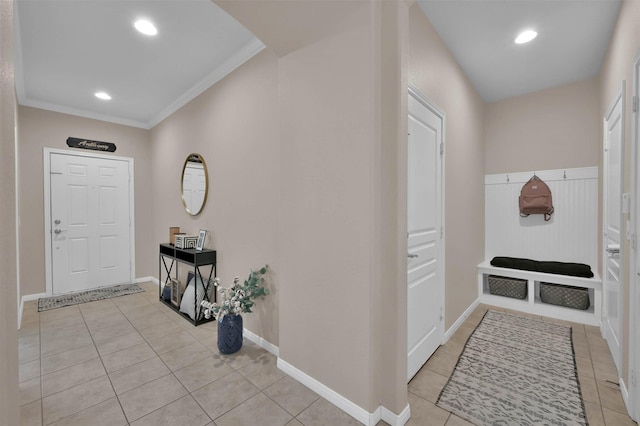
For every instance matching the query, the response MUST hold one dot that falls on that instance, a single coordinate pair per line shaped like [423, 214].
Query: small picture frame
[202, 236]
[175, 292]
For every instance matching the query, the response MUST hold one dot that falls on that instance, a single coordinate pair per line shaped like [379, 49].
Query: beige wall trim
[47, 203]
[349, 407]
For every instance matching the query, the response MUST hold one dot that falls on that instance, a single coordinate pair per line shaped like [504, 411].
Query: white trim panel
[546, 175]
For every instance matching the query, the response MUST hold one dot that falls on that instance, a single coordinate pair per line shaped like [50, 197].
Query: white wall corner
[456, 325]
[395, 419]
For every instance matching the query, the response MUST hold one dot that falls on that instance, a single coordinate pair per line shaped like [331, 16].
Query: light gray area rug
[54, 302]
[516, 371]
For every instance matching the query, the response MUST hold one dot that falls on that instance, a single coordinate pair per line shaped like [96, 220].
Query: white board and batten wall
[571, 235]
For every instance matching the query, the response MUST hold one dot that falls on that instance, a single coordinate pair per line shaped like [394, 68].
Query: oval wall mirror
[195, 182]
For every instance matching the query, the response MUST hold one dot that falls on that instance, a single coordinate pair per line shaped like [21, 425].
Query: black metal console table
[196, 259]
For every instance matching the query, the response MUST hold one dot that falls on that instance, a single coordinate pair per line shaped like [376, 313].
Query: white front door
[612, 256]
[90, 220]
[425, 279]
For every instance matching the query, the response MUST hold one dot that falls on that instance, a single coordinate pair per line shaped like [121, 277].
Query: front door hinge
[441, 232]
[441, 148]
[441, 313]
[635, 104]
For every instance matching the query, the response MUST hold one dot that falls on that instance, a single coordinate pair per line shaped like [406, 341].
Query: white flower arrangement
[238, 298]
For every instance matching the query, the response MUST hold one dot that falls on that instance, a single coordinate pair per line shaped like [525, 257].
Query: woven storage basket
[508, 287]
[564, 295]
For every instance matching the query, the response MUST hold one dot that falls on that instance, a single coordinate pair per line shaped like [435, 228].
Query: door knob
[57, 221]
[57, 231]
[613, 249]
[412, 255]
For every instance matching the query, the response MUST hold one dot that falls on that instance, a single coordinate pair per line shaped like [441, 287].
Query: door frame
[633, 400]
[440, 113]
[47, 210]
[618, 97]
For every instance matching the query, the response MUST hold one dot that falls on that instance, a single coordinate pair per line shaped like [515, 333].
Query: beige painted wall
[234, 126]
[550, 129]
[9, 396]
[624, 46]
[326, 222]
[434, 71]
[39, 129]
[333, 220]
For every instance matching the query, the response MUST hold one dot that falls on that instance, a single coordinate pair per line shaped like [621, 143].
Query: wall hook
[507, 178]
[564, 176]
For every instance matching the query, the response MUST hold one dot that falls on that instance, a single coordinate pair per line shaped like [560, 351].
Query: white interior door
[612, 258]
[90, 222]
[634, 281]
[425, 280]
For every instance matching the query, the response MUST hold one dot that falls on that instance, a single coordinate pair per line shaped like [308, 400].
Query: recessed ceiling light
[526, 36]
[103, 95]
[145, 27]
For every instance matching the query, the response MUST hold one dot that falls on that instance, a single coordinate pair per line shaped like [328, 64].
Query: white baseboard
[456, 325]
[27, 298]
[147, 279]
[264, 344]
[625, 395]
[395, 419]
[327, 393]
[349, 407]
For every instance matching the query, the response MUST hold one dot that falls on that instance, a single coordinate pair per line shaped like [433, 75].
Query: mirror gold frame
[195, 198]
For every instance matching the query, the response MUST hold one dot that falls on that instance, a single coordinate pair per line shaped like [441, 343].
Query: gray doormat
[516, 371]
[54, 302]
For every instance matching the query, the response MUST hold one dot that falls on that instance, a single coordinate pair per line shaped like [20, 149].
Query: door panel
[613, 158]
[90, 220]
[424, 220]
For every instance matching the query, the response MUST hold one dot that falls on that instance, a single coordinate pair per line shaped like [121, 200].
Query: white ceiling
[66, 50]
[573, 37]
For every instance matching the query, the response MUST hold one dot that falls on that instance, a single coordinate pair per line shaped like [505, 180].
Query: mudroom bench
[531, 303]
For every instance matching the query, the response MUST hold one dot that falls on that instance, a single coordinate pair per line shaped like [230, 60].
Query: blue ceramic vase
[230, 334]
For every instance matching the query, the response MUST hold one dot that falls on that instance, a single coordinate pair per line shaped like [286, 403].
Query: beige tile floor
[596, 371]
[133, 361]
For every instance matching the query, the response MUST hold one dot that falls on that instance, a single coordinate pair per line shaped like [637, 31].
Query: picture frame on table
[175, 292]
[202, 236]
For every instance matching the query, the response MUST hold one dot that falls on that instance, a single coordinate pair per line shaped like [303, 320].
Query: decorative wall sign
[89, 144]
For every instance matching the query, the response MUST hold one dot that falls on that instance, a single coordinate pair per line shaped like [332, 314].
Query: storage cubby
[532, 303]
